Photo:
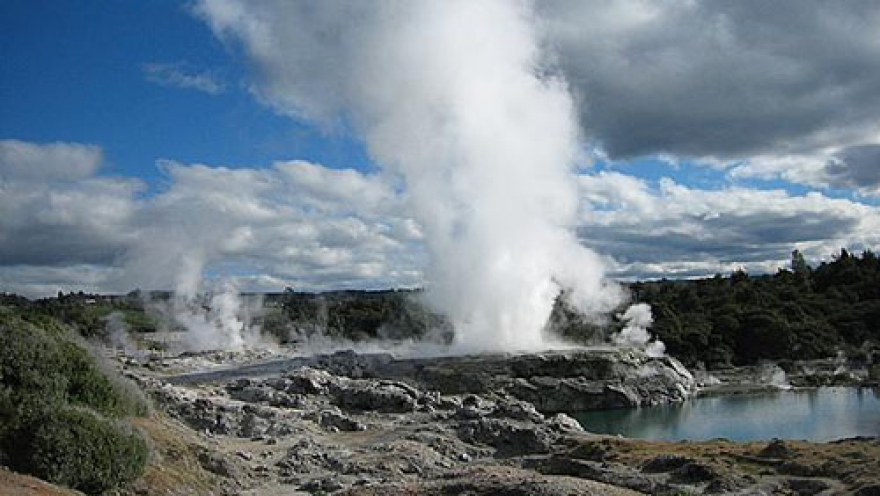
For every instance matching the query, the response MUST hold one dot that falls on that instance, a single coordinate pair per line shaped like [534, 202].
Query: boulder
[564, 423]
[306, 381]
[665, 463]
[508, 437]
[517, 410]
[777, 448]
[333, 419]
[382, 396]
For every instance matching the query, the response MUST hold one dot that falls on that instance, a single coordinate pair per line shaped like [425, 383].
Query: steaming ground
[226, 321]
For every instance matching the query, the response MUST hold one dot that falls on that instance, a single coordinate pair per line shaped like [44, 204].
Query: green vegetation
[87, 313]
[79, 449]
[802, 313]
[60, 413]
[354, 315]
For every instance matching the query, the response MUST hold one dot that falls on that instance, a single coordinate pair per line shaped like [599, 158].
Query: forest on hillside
[798, 313]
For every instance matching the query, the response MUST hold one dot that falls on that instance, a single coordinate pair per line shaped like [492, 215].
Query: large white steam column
[455, 97]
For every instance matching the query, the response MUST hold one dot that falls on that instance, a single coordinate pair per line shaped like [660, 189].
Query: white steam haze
[638, 319]
[458, 100]
[176, 248]
[219, 319]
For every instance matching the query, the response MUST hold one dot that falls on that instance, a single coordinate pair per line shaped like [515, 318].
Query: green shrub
[31, 377]
[88, 385]
[40, 368]
[77, 448]
[57, 407]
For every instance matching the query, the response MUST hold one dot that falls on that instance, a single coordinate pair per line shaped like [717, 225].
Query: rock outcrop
[371, 424]
[553, 381]
[556, 381]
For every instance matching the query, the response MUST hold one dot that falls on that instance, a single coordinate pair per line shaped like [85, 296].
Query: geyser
[457, 99]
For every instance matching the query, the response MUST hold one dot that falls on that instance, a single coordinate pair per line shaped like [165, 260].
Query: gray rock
[219, 465]
[806, 487]
[251, 393]
[616, 475]
[726, 485]
[665, 463]
[868, 490]
[325, 484]
[508, 437]
[350, 364]
[694, 471]
[777, 448]
[252, 425]
[554, 382]
[517, 410]
[565, 423]
[473, 407]
[308, 381]
[382, 396]
[332, 418]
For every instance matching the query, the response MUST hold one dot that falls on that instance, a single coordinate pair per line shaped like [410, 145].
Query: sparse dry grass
[173, 468]
[854, 462]
[15, 484]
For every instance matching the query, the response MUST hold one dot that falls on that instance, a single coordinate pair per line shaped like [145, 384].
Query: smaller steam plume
[219, 320]
[118, 335]
[215, 315]
[638, 319]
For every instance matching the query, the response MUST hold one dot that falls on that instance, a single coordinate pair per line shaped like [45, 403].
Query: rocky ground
[370, 424]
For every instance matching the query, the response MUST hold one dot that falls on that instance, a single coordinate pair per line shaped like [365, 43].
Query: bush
[43, 366]
[77, 448]
[89, 386]
[30, 371]
[57, 408]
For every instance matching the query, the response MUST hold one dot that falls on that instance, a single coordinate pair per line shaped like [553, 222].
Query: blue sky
[76, 74]
[705, 135]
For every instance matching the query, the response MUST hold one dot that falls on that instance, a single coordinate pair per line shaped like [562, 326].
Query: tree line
[797, 313]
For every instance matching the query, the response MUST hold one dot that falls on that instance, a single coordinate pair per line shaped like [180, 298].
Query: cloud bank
[292, 224]
[784, 86]
[303, 225]
[671, 230]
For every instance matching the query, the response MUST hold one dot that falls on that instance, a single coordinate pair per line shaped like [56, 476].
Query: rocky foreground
[369, 424]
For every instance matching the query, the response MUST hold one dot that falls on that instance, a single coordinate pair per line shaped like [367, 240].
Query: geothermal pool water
[822, 414]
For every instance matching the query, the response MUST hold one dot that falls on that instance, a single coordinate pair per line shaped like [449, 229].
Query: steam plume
[175, 249]
[456, 98]
[638, 319]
